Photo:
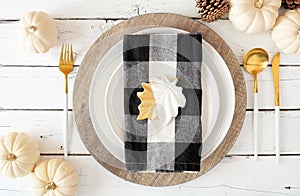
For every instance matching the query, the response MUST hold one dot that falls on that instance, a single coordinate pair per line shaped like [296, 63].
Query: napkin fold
[175, 147]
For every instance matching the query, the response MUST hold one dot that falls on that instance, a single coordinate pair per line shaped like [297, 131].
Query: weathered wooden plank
[241, 42]
[289, 131]
[289, 88]
[97, 9]
[34, 88]
[82, 34]
[232, 176]
[42, 88]
[46, 127]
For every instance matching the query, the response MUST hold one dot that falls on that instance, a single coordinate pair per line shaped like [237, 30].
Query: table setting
[188, 99]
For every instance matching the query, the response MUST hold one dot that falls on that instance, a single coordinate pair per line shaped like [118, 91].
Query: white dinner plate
[106, 98]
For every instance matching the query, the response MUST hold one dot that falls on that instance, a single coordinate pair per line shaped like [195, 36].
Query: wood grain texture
[89, 64]
[46, 84]
[47, 128]
[83, 33]
[263, 177]
[37, 110]
[34, 88]
[97, 9]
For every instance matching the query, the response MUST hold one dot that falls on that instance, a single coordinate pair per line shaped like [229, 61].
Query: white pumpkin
[54, 177]
[253, 16]
[286, 32]
[39, 32]
[18, 154]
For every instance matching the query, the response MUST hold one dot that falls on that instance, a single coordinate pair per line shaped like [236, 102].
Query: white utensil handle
[66, 127]
[255, 125]
[277, 146]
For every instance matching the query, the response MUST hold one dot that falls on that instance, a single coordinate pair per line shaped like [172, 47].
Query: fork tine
[71, 53]
[62, 54]
[65, 54]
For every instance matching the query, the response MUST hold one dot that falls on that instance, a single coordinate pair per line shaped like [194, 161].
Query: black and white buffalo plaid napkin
[176, 147]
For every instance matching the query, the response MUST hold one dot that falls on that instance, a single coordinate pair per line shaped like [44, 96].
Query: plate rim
[101, 46]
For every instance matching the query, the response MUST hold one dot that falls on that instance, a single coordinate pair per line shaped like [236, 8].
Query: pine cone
[212, 10]
[290, 4]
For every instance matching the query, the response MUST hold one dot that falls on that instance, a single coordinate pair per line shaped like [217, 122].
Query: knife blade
[275, 72]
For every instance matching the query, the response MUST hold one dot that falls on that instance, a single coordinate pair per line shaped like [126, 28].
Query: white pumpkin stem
[32, 29]
[51, 186]
[11, 157]
[258, 3]
[33, 169]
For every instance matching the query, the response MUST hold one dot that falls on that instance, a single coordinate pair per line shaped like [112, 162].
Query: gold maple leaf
[147, 106]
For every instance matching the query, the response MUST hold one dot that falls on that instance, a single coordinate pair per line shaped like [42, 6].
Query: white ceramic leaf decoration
[168, 98]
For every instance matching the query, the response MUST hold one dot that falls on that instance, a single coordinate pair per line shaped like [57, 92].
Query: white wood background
[31, 100]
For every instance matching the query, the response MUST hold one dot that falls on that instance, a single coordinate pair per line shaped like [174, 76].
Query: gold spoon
[255, 61]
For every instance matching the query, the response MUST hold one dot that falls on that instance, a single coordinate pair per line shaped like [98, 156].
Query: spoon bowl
[255, 61]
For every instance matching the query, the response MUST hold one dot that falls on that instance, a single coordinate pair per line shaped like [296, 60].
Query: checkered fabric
[176, 147]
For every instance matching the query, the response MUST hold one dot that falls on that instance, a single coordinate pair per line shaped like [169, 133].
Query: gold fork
[66, 64]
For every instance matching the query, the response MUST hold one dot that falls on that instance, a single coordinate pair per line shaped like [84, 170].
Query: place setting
[178, 136]
[153, 111]
[160, 99]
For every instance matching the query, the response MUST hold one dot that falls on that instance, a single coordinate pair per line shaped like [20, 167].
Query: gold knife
[275, 72]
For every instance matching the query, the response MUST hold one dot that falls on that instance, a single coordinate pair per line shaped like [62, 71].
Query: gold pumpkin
[253, 16]
[54, 177]
[18, 154]
[39, 32]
